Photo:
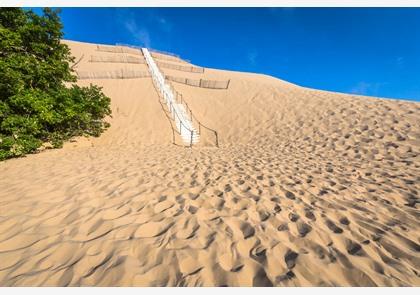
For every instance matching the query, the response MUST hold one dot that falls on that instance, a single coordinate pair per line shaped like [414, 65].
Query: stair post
[173, 100]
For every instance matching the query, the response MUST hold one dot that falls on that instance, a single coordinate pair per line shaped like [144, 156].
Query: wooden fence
[117, 74]
[119, 49]
[212, 84]
[118, 59]
[191, 69]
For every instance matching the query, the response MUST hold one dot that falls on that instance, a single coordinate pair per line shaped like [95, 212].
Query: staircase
[182, 120]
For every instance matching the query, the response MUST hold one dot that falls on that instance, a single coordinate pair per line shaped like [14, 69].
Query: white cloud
[151, 23]
[140, 34]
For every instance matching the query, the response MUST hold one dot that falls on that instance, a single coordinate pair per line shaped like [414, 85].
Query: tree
[35, 104]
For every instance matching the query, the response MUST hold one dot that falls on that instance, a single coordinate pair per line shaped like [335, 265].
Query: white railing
[178, 112]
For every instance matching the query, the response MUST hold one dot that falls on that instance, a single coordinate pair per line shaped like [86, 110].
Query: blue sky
[369, 51]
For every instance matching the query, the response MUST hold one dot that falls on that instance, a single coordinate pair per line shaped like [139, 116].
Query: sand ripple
[308, 188]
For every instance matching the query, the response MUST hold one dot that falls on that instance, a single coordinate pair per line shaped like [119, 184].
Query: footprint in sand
[293, 217]
[258, 253]
[303, 228]
[263, 215]
[286, 277]
[290, 258]
[344, 221]
[283, 227]
[290, 195]
[354, 248]
[240, 228]
[310, 215]
[333, 227]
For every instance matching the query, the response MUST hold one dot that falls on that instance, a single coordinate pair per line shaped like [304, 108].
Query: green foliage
[35, 105]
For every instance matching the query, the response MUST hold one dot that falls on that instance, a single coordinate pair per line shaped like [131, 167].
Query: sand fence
[119, 49]
[212, 84]
[191, 69]
[116, 74]
[118, 59]
[128, 49]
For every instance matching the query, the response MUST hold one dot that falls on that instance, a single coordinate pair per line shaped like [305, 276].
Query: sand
[308, 188]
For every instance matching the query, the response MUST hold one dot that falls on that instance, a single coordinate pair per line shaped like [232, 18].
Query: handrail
[163, 108]
[192, 115]
[199, 83]
[166, 89]
[158, 79]
[173, 113]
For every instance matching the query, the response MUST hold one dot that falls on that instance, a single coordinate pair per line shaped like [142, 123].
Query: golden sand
[308, 188]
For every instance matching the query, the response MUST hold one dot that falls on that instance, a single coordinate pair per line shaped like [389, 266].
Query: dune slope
[308, 188]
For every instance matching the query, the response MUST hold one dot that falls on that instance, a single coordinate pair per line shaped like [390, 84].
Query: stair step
[179, 109]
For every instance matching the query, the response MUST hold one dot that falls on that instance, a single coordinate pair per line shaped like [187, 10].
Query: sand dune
[308, 188]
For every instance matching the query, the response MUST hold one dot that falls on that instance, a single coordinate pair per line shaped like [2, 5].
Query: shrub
[35, 104]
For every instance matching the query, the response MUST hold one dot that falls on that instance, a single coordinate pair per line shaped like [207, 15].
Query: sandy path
[308, 188]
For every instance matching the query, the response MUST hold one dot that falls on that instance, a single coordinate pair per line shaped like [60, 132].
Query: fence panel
[177, 79]
[197, 70]
[118, 59]
[192, 82]
[119, 49]
[180, 68]
[212, 84]
[117, 74]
